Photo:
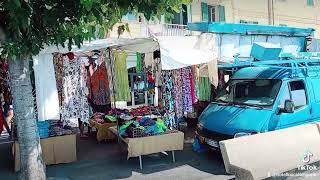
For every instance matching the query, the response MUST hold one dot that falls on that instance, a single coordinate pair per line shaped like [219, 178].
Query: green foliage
[29, 25]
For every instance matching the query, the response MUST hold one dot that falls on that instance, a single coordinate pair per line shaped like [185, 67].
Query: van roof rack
[300, 63]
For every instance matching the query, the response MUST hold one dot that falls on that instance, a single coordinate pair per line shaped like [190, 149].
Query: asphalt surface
[106, 161]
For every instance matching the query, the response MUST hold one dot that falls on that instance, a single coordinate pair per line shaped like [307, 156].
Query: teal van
[262, 97]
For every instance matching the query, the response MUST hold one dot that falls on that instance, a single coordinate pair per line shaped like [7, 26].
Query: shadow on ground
[106, 161]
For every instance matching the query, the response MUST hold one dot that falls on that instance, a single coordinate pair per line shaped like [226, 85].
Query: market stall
[137, 147]
[142, 131]
[119, 84]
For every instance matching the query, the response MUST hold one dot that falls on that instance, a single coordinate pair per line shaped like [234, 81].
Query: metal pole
[140, 161]
[173, 158]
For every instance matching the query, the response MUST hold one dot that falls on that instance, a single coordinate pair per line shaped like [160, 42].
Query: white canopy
[182, 51]
[46, 89]
[142, 45]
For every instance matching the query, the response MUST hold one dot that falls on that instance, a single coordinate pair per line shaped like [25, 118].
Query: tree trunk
[32, 165]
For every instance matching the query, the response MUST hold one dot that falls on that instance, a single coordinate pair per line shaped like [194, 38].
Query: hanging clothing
[168, 97]
[58, 69]
[47, 96]
[148, 59]
[192, 85]
[75, 104]
[139, 62]
[178, 98]
[100, 93]
[186, 89]
[121, 72]
[156, 71]
[109, 61]
[204, 89]
[1, 121]
[213, 73]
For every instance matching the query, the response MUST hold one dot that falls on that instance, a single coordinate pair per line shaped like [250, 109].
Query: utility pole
[270, 12]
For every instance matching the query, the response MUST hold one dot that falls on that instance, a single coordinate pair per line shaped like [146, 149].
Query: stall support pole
[173, 158]
[140, 161]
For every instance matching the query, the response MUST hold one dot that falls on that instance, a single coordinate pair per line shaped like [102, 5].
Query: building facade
[296, 13]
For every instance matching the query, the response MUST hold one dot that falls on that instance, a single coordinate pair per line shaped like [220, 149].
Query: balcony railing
[167, 30]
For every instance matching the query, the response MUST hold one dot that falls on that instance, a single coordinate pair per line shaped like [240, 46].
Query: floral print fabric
[186, 89]
[168, 97]
[75, 104]
[109, 62]
[178, 97]
[58, 69]
[100, 86]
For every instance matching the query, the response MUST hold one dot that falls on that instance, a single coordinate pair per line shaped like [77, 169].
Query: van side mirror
[288, 106]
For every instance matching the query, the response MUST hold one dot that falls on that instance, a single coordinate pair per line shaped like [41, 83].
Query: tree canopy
[29, 25]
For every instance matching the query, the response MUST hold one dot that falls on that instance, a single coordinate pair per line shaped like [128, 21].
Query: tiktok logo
[307, 157]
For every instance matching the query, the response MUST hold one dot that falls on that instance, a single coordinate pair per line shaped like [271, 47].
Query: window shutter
[204, 12]
[222, 15]
[310, 2]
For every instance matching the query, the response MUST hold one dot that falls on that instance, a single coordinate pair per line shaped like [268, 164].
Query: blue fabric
[197, 147]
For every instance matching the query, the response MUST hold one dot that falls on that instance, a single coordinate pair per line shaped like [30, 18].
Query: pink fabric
[193, 90]
[1, 121]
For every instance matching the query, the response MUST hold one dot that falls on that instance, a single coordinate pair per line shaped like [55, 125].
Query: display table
[137, 147]
[103, 130]
[55, 150]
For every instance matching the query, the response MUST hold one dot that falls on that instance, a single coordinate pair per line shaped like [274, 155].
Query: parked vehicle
[267, 96]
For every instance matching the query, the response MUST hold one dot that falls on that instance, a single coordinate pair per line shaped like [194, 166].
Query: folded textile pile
[102, 118]
[141, 127]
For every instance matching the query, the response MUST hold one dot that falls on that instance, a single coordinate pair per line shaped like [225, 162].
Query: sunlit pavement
[106, 161]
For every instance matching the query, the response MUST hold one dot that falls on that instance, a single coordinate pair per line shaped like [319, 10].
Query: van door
[296, 91]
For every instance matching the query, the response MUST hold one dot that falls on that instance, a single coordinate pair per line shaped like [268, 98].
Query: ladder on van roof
[307, 63]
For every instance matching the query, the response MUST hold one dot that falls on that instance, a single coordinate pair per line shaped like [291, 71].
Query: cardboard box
[55, 150]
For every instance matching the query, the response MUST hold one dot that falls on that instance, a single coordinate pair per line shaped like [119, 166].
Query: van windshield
[261, 92]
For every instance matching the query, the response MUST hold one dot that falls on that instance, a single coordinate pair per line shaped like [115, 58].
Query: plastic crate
[137, 132]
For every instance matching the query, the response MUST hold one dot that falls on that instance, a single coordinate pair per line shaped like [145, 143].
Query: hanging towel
[46, 87]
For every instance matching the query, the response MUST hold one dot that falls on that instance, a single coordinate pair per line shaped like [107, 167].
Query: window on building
[181, 17]
[212, 13]
[204, 12]
[310, 2]
[222, 14]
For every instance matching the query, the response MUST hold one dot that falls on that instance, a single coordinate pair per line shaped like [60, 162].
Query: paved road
[105, 161]
[189, 165]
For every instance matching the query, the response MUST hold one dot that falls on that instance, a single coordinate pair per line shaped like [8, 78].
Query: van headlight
[244, 134]
[240, 134]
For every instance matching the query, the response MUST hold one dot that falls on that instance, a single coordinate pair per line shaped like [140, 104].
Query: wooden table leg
[173, 158]
[140, 161]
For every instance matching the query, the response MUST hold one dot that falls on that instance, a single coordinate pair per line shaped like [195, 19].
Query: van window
[298, 93]
[255, 92]
[316, 88]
